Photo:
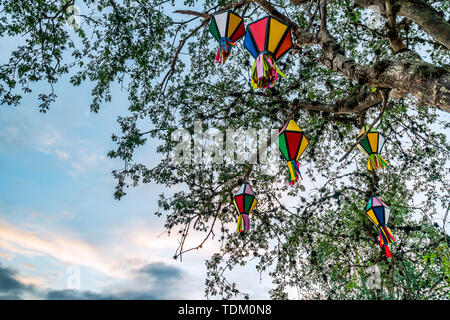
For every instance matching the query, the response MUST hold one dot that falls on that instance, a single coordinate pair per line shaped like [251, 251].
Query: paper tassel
[265, 72]
[386, 238]
[376, 162]
[224, 50]
[294, 171]
[243, 223]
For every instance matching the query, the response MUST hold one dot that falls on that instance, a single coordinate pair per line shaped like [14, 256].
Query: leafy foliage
[313, 237]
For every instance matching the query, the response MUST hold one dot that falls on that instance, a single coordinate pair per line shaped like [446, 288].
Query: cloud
[62, 155]
[62, 247]
[6, 255]
[89, 295]
[32, 135]
[70, 294]
[132, 273]
[161, 271]
[10, 287]
[15, 132]
[153, 281]
[87, 160]
[144, 239]
[119, 261]
[36, 282]
[48, 140]
[156, 280]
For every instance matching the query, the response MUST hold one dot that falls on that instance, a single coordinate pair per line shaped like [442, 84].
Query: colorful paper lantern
[292, 143]
[371, 146]
[244, 201]
[267, 40]
[378, 212]
[227, 27]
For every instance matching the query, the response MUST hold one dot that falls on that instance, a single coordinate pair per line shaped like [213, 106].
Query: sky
[62, 234]
[58, 215]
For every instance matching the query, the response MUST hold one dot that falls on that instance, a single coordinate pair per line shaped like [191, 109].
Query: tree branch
[425, 16]
[323, 14]
[391, 26]
[385, 95]
[194, 13]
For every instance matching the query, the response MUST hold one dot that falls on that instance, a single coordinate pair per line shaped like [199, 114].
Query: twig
[391, 26]
[385, 95]
[180, 46]
[444, 221]
[207, 17]
[194, 13]
[323, 15]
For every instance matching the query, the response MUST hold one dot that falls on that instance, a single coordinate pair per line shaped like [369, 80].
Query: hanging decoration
[292, 142]
[378, 213]
[244, 201]
[371, 146]
[267, 40]
[227, 27]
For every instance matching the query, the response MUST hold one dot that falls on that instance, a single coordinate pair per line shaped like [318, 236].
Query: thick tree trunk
[404, 72]
[407, 72]
[428, 19]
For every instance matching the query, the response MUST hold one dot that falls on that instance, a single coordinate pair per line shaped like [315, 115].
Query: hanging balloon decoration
[292, 142]
[267, 40]
[244, 202]
[371, 146]
[227, 27]
[378, 213]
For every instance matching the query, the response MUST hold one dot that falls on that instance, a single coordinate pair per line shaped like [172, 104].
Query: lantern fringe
[376, 162]
[224, 50]
[265, 72]
[386, 238]
[243, 223]
[294, 171]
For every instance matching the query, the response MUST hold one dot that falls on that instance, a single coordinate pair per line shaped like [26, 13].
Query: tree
[342, 73]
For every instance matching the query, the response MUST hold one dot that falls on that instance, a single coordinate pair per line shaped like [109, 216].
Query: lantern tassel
[386, 238]
[265, 72]
[224, 50]
[376, 162]
[294, 170]
[243, 223]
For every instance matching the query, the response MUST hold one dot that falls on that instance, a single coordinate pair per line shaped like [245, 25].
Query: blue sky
[57, 208]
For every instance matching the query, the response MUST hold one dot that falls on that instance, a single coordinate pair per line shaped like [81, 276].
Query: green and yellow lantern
[371, 146]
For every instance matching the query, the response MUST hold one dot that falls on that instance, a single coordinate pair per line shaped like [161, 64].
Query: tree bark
[407, 72]
[404, 72]
[425, 16]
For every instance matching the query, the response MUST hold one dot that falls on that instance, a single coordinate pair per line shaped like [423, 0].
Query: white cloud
[38, 282]
[62, 155]
[118, 260]
[6, 255]
[87, 160]
[62, 247]
[130, 249]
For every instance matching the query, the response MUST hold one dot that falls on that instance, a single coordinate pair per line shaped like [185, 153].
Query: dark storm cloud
[88, 295]
[167, 277]
[161, 271]
[70, 294]
[10, 287]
